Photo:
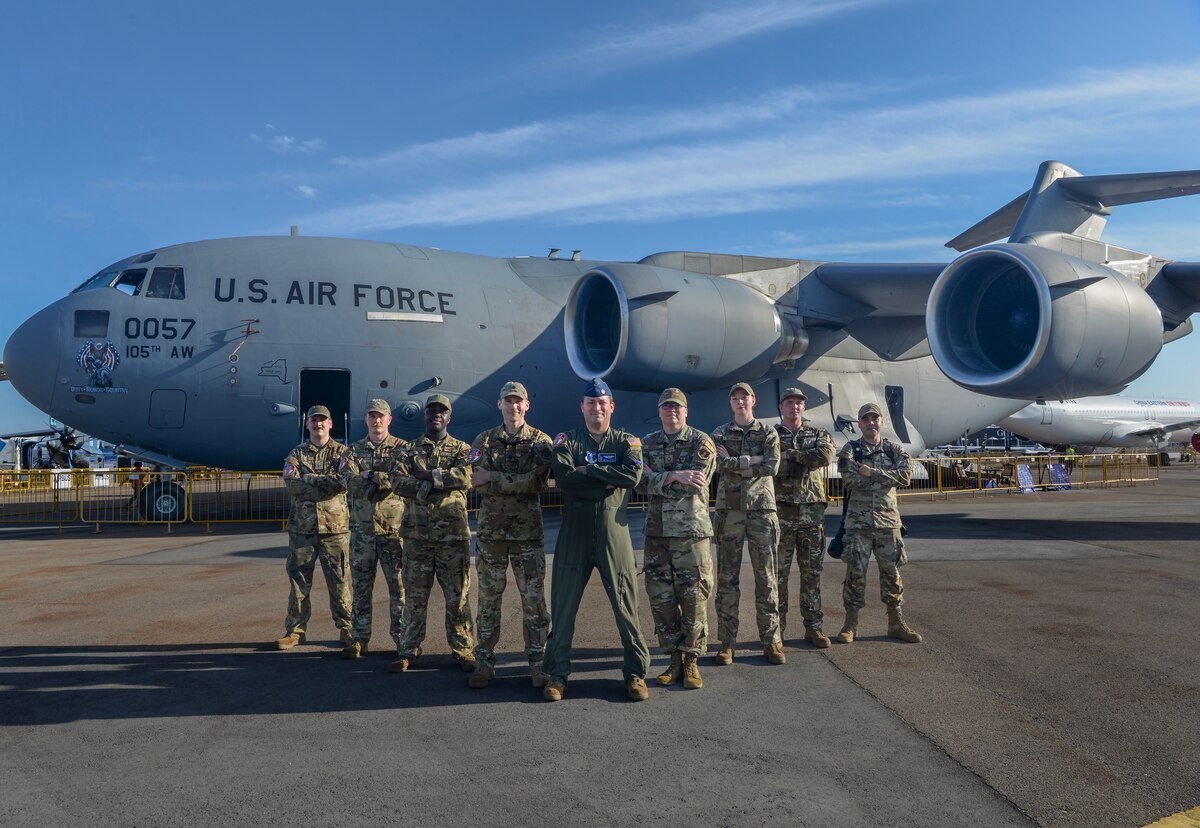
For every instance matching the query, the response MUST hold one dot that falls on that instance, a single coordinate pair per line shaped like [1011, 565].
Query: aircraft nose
[31, 357]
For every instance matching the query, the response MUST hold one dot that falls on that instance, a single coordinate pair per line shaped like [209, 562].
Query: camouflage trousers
[450, 563]
[303, 553]
[857, 547]
[802, 537]
[759, 530]
[528, 558]
[679, 576]
[368, 551]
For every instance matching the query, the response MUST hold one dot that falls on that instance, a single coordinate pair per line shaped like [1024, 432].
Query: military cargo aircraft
[1110, 422]
[209, 352]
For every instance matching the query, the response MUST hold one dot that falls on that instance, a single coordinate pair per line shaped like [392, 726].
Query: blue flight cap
[597, 388]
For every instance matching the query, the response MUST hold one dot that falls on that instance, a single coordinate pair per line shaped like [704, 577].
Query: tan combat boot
[481, 678]
[555, 690]
[673, 671]
[635, 688]
[816, 638]
[538, 676]
[898, 629]
[850, 628]
[404, 662]
[725, 655]
[288, 641]
[466, 663]
[774, 653]
[691, 673]
[354, 649]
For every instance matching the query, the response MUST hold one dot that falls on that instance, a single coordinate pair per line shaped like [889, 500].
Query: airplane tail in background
[1064, 201]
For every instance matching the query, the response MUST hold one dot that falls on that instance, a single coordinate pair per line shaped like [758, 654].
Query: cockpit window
[102, 279]
[166, 283]
[131, 281]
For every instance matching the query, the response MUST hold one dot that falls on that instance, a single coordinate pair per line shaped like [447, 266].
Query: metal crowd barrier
[214, 496]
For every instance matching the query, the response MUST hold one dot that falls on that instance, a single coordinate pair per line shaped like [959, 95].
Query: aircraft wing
[45, 432]
[880, 305]
[1165, 428]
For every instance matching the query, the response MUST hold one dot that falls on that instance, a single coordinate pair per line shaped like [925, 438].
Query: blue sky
[862, 130]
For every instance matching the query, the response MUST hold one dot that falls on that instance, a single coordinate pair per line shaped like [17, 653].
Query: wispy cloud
[285, 144]
[619, 49]
[306, 191]
[696, 164]
[597, 130]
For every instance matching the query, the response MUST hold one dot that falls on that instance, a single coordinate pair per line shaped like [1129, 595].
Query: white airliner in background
[1113, 421]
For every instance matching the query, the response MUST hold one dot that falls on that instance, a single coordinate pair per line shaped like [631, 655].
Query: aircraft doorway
[329, 387]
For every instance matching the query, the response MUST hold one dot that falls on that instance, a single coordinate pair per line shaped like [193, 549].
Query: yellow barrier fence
[214, 496]
[217, 496]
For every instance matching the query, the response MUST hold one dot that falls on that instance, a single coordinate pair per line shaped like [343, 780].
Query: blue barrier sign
[1025, 478]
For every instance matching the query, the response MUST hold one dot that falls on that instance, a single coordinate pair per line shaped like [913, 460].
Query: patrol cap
[513, 389]
[597, 388]
[380, 406]
[672, 395]
[744, 386]
[869, 408]
[438, 399]
[319, 411]
[792, 392]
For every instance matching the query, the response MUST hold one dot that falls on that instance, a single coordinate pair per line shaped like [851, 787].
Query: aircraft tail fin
[1064, 201]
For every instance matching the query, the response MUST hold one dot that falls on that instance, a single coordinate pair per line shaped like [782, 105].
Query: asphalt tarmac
[1058, 685]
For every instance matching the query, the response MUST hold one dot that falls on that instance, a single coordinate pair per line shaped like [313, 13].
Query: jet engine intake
[645, 328]
[1019, 321]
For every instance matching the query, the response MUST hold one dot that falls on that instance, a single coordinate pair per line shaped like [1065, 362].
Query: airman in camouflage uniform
[872, 468]
[376, 513]
[747, 459]
[318, 527]
[595, 467]
[804, 452]
[434, 475]
[679, 462]
[510, 465]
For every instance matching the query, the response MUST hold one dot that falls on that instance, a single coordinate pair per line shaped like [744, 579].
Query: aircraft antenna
[575, 255]
[553, 253]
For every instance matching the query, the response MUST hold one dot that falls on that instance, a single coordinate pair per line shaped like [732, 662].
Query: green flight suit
[595, 535]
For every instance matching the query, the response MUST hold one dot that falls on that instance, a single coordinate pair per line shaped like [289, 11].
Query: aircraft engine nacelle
[644, 328]
[1018, 321]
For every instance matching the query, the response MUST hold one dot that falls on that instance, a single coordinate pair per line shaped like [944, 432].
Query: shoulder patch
[289, 470]
[634, 442]
[345, 461]
[473, 456]
[560, 439]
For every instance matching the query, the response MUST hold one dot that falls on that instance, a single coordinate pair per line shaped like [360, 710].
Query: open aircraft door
[329, 387]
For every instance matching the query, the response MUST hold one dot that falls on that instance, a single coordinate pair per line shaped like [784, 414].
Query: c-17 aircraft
[209, 352]
[1111, 422]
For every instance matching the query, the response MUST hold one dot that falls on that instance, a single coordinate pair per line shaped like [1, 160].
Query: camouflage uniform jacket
[743, 486]
[436, 510]
[802, 454]
[310, 475]
[519, 463]
[374, 507]
[676, 510]
[873, 499]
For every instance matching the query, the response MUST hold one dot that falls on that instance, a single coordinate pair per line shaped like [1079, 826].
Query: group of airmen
[383, 503]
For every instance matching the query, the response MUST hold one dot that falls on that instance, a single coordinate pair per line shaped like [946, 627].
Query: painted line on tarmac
[1184, 819]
